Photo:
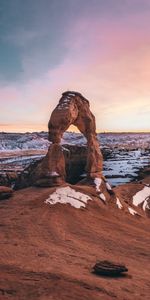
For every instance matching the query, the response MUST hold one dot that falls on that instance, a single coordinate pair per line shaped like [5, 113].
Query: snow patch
[132, 211]
[108, 186]
[142, 196]
[97, 182]
[65, 149]
[54, 174]
[145, 204]
[66, 100]
[102, 196]
[68, 195]
[119, 203]
[83, 175]
[71, 94]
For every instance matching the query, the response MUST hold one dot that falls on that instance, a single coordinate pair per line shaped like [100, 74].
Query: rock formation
[5, 192]
[55, 168]
[109, 268]
[38, 173]
[74, 109]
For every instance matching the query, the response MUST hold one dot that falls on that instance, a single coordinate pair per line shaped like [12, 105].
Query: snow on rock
[141, 197]
[132, 211]
[65, 149]
[97, 182]
[145, 204]
[83, 175]
[108, 186]
[54, 174]
[102, 196]
[72, 94]
[68, 195]
[119, 203]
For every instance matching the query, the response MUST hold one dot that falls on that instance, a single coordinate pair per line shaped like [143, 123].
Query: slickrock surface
[52, 236]
[136, 194]
[47, 251]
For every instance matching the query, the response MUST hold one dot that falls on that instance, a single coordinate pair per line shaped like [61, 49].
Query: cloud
[104, 54]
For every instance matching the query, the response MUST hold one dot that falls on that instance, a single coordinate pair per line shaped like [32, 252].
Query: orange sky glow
[106, 57]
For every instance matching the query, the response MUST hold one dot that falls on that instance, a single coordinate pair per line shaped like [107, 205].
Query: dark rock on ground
[8, 179]
[5, 192]
[109, 268]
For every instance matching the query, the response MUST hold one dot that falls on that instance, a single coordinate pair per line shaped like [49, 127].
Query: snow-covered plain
[39, 140]
[124, 153]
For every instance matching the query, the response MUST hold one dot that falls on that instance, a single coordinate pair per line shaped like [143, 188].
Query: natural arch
[74, 109]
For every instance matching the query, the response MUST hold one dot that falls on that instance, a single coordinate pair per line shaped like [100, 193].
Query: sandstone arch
[74, 109]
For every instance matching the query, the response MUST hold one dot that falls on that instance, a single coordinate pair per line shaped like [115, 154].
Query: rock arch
[74, 109]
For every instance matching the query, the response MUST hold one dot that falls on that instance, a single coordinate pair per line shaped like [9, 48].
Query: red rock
[47, 252]
[74, 109]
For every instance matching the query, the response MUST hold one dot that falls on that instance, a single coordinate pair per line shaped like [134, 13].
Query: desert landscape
[125, 154]
[74, 150]
[55, 226]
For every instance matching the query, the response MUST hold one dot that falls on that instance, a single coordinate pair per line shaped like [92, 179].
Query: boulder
[109, 268]
[5, 192]
[8, 178]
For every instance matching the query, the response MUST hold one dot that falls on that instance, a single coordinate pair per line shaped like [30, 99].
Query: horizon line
[98, 132]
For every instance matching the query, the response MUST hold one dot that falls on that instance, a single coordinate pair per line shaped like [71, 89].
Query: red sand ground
[47, 252]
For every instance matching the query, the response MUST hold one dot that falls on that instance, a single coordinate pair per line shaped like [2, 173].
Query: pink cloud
[108, 61]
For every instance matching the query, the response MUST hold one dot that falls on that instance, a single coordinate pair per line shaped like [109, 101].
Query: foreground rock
[5, 192]
[135, 195]
[47, 250]
[108, 268]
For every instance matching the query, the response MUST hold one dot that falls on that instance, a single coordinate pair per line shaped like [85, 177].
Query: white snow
[68, 195]
[71, 94]
[66, 100]
[97, 182]
[132, 211]
[141, 196]
[119, 203]
[54, 174]
[108, 186]
[83, 175]
[102, 196]
[65, 149]
[145, 204]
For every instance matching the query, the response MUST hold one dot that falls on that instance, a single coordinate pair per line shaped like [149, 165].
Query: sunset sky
[100, 48]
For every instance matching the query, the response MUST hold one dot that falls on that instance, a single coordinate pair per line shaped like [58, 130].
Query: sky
[100, 48]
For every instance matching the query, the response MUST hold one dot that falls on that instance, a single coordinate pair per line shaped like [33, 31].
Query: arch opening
[73, 109]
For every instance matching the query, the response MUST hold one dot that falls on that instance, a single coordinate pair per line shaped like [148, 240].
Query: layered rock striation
[74, 109]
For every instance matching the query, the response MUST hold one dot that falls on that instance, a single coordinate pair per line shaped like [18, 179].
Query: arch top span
[74, 109]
